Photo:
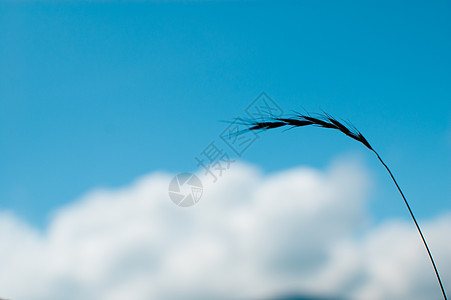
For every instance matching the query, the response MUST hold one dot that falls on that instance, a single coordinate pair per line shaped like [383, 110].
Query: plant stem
[416, 224]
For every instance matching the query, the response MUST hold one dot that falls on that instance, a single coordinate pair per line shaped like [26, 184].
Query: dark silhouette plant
[325, 120]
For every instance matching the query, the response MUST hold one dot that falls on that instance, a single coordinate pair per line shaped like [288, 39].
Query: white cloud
[251, 236]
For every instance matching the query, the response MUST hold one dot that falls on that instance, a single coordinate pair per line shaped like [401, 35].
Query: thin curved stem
[416, 224]
[327, 121]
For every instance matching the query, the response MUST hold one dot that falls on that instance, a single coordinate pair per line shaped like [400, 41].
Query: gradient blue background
[95, 94]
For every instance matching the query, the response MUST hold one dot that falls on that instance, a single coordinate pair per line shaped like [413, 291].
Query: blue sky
[95, 94]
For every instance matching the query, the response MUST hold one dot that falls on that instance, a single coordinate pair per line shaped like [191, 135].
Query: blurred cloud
[251, 236]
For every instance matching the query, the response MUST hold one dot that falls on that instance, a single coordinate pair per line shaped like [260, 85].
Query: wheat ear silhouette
[324, 120]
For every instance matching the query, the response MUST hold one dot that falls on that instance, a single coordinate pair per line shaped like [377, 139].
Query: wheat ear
[325, 120]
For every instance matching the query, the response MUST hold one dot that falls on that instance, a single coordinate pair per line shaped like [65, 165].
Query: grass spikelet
[325, 120]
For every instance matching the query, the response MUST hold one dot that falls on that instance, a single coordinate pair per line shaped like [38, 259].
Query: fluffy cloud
[252, 236]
